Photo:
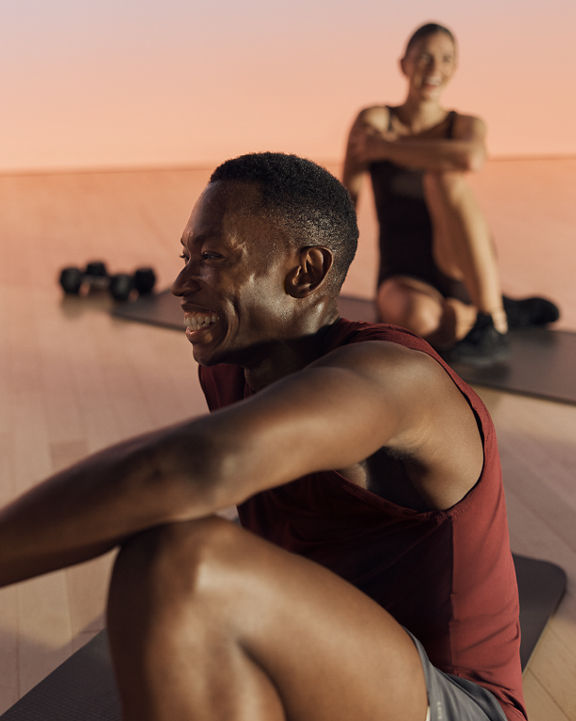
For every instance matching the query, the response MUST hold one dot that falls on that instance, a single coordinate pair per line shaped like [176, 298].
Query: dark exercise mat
[541, 585]
[83, 689]
[163, 309]
[80, 689]
[542, 362]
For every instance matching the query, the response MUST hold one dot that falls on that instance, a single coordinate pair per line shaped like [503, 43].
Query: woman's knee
[408, 306]
[448, 186]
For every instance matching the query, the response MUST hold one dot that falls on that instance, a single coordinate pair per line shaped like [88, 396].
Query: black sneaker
[483, 344]
[527, 312]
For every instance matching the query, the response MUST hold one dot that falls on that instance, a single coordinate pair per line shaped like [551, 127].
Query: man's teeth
[199, 321]
[433, 81]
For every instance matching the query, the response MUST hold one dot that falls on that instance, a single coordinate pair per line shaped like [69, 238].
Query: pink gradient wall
[137, 83]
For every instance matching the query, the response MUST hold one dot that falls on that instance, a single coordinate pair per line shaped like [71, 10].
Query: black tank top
[405, 226]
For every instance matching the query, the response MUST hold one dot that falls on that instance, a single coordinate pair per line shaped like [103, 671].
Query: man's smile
[199, 320]
[198, 324]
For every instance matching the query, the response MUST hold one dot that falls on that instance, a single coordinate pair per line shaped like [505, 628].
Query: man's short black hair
[304, 198]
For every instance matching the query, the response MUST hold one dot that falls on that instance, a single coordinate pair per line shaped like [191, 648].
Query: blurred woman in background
[438, 273]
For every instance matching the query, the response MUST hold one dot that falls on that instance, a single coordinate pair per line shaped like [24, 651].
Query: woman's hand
[368, 141]
[367, 144]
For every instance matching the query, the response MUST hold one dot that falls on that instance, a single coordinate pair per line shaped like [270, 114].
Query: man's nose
[185, 282]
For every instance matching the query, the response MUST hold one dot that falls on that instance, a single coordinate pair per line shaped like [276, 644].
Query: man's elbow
[189, 477]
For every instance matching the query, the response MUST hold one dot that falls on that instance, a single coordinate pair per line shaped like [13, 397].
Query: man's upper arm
[332, 414]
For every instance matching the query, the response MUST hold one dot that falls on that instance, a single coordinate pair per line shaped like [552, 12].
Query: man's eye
[184, 257]
[210, 255]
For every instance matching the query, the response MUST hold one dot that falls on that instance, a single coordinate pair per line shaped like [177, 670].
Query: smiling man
[372, 578]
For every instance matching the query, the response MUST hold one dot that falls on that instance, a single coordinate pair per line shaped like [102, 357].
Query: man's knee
[173, 561]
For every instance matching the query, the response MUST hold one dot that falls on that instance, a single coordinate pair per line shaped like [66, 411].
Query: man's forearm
[91, 507]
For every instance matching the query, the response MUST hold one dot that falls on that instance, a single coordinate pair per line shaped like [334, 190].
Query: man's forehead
[229, 208]
[231, 196]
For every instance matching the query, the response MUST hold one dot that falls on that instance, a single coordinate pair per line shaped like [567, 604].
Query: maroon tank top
[447, 576]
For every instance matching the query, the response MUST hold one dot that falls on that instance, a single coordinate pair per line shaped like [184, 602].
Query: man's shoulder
[397, 355]
[387, 362]
[387, 354]
[346, 332]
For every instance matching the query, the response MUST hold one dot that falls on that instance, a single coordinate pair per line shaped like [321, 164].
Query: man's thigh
[334, 653]
[331, 652]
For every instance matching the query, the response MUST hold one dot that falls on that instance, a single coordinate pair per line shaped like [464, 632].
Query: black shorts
[451, 698]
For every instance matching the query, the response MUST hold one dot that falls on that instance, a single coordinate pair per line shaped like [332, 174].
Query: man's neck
[286, 356]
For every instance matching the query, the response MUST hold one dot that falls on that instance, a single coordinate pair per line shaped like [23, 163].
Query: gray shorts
[451, 698]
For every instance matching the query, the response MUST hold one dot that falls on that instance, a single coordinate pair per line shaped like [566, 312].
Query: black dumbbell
[122, 284]
[71, 280]
[95, 275]
[144, 280]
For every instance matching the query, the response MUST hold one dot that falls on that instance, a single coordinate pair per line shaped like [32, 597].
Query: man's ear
[313, 266]
[402, 65]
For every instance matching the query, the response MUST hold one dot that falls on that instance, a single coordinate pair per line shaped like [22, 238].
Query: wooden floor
[73, 379]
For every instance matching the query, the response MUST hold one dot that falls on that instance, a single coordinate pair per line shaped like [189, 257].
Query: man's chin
[209, 356]
[203, 358]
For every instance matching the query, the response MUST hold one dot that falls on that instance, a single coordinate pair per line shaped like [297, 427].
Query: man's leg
[463, 245]
[207, 621]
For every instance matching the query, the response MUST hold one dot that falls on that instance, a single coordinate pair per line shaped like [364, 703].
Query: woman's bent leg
[418, 306]
[463, 245]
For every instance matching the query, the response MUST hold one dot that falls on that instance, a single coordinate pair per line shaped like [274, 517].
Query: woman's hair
[424, 31]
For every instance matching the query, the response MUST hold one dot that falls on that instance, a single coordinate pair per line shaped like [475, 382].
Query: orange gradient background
[142, 83]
